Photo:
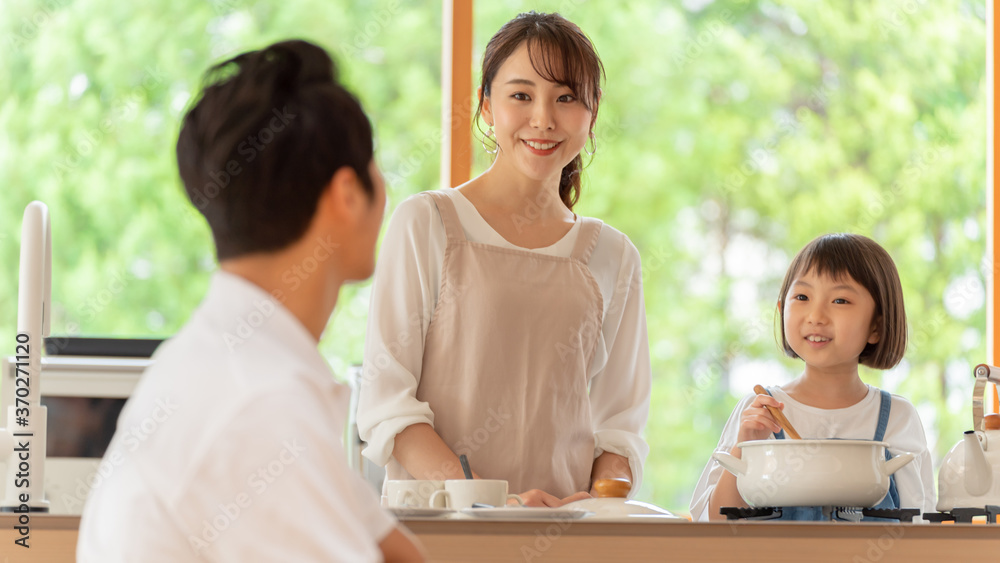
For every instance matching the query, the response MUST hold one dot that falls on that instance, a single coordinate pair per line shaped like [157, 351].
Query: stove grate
[745, 513]
[964, 515]
[839, 514]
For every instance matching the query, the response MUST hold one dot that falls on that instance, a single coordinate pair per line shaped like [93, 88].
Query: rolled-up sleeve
[403, 296]
[619, 393]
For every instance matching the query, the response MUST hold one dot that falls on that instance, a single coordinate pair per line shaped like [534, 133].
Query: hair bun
[297, 63]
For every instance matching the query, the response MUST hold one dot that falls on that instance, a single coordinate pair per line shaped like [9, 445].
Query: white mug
[459, 494]
[412, 493]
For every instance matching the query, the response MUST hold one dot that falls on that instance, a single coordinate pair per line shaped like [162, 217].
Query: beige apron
[506, 357]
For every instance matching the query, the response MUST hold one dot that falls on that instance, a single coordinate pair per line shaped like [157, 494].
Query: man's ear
[343, 200]
[874, 336]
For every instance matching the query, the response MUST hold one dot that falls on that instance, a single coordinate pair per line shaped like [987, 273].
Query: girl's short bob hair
[870, 265]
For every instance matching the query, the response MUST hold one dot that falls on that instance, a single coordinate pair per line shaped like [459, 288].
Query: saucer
[528, 513]
[419, 512]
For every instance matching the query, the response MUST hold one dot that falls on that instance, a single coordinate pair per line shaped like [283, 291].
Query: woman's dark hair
[265, 138]
[871, 266]
[560, 52]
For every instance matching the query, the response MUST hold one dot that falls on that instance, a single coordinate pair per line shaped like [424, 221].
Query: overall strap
[779, 435]
[590, 229]
[883, 417]
[446, 208]
[891, 499]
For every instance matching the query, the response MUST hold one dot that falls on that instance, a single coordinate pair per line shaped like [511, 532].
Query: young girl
[841, 305]
[503, 326]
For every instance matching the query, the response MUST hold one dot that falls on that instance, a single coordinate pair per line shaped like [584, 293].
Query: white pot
[850, 473]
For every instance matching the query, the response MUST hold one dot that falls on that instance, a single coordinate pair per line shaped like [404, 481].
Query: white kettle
[970, 474]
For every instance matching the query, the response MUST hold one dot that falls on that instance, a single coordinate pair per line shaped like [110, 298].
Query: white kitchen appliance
[970, 474]
[83, 396]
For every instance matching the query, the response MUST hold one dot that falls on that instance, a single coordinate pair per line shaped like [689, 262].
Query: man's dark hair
[266, 137]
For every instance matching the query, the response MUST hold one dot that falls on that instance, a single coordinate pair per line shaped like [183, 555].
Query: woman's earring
[489, 133]
[594, 139]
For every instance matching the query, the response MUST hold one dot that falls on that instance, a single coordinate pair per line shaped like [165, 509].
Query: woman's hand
[538, 497]
[756, 423]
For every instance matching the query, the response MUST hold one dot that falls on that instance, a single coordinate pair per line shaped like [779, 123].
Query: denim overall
[891, 499]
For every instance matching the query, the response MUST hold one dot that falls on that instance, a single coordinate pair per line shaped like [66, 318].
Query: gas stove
[964, 515]
[830, 513]
[843, 514]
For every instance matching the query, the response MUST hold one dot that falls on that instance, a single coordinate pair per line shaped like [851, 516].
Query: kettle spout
[978, 473]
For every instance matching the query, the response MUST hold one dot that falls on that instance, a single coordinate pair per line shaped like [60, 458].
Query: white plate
[526, 513]
[418, 512]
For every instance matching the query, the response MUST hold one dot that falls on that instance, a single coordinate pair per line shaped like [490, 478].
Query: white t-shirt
[405, 293]
[904, 433]
[230, 449]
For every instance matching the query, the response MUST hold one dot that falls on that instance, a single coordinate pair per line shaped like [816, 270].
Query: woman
[503, 326]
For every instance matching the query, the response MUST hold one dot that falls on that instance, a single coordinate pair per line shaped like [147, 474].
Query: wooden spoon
[778, 415]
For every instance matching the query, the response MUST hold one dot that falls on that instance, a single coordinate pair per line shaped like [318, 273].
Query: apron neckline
[577, 224]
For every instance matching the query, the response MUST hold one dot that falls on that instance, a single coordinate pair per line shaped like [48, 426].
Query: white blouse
[403, 299]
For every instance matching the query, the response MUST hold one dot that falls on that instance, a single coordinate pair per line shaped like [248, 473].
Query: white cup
[459, 494]
[412, 493]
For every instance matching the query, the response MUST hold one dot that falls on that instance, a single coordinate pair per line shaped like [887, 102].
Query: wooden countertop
[53, 540]
[462, 540]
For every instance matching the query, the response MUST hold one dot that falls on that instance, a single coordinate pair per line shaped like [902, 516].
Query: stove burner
[831, 513]
[964, 515]
[744, 513]
[901, 514]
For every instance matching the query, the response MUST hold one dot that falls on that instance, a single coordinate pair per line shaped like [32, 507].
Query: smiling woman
[532, 82]
[523, 108]
[555, 331]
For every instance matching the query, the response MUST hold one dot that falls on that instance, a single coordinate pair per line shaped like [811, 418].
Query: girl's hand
[538, 497]
[756, 423]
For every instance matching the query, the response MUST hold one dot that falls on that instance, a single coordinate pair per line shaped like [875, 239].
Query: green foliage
[729, 136]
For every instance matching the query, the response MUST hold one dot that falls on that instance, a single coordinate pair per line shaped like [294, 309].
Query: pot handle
[895, 464]
[733, 464]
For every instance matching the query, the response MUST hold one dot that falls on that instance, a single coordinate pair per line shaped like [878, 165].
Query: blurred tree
[730, 134]
[92, 95]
